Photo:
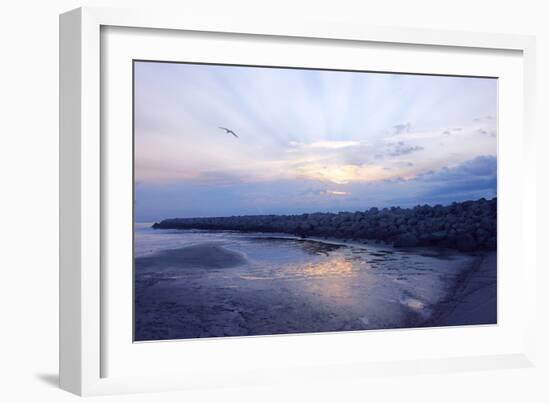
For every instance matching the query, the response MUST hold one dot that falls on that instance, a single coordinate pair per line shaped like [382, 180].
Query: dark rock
[465, 243]
[438, 236]
[405, 240]
[481, 235]
[491, 243]
[467, 226]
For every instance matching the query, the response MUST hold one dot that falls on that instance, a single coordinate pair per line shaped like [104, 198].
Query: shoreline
[186, 293]
[472, 299]
[468, 226]
[341, 242]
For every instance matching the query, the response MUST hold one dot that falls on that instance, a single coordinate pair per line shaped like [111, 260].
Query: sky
[309, 140]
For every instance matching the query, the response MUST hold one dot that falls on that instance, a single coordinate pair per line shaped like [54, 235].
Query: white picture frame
[83, 176]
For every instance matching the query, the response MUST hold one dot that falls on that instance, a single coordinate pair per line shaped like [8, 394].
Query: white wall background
[29, 187]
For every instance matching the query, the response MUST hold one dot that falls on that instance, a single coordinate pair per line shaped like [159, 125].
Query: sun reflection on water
[336, 265]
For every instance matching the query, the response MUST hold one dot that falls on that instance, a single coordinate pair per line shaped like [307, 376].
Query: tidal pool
[194, 284]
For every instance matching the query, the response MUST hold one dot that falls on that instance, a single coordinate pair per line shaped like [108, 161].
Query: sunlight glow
[344, 174]
[306, 139]
[337, 266]
[334, 144]
[337, 193]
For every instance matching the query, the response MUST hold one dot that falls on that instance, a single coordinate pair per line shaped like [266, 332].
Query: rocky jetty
[467, 226]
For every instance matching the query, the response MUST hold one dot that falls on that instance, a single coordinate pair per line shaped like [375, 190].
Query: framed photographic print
[323, 213]
[237, 197]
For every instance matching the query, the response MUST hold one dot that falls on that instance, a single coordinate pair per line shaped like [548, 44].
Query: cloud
[218, 178]
[471, 179]
[337, 193]
[366, 134]
[343, 174]
[326, 144]
[402, 128]
[484, 118]
[487, 132]
[400, 148]
[334, 144]
[474, 178]
[481, 166]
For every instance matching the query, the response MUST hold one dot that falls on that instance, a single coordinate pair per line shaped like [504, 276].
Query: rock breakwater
[466, 226]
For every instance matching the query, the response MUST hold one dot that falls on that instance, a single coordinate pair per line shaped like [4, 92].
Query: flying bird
[229, 131]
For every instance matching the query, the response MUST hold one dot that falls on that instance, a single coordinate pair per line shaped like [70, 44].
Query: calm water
[192, 283]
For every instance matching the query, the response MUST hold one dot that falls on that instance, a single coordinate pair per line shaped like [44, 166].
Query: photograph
[272, 200]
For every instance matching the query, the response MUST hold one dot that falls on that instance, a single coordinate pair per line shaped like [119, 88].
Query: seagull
[229, 131]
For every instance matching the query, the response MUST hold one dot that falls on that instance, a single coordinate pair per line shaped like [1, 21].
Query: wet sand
[206, 256]
[276, 285]
[474, 298]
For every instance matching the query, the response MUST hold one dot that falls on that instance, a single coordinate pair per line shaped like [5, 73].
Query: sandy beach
[474, 298]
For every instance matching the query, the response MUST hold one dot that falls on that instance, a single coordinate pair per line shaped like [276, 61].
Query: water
[193, 283]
